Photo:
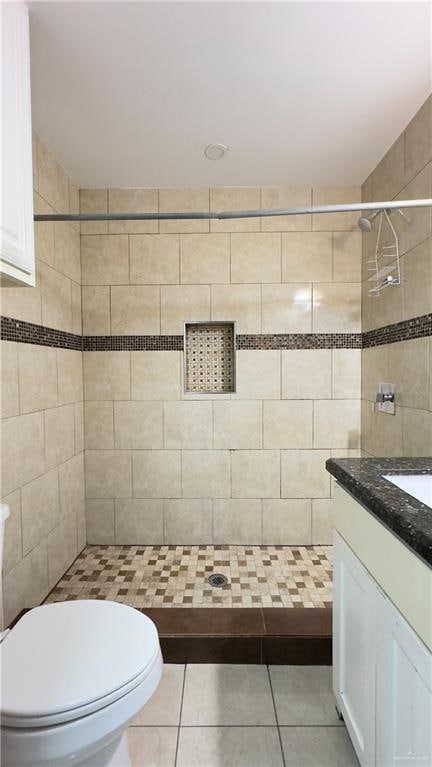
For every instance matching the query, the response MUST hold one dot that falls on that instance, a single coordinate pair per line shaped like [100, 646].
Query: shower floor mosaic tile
[177, 576]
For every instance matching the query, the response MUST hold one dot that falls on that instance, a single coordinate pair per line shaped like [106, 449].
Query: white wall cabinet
[382, 674]
[17, 260]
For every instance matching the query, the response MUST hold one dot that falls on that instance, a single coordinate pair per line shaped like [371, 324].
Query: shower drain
[217, 580]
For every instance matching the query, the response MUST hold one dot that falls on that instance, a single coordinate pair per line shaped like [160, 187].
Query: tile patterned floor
[177, 576]
[247, 716]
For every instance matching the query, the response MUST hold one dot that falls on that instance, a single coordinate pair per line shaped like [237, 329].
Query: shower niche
[209, 357]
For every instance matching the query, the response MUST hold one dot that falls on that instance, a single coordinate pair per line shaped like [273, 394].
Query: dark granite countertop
[406, 517]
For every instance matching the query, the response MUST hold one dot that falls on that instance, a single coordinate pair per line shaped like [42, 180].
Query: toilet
[74, 675]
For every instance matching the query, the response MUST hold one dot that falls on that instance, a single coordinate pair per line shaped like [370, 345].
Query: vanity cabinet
[17, 260]
[382, 675]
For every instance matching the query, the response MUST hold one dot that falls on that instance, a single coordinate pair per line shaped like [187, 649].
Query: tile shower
[166, 467]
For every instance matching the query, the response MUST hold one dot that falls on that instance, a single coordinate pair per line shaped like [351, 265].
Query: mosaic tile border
[406, 330]
[30, 333]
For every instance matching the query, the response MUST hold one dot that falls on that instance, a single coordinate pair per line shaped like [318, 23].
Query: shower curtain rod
[258, 213]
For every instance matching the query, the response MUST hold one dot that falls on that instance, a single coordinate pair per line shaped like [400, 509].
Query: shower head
[365, 222]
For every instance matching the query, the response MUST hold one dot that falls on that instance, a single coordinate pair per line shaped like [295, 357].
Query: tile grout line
[180, 716]
[276, 715]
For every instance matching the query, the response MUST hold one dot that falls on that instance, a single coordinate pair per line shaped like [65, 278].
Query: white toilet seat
[93, 695]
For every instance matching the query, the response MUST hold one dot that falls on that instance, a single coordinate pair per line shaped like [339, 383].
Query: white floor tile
[164, 707]
[304, 695]
[227, 695]
[229, 747]
[317, 747]
[152, 746]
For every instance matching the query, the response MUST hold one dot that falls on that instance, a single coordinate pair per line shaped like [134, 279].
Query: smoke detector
[216, 151]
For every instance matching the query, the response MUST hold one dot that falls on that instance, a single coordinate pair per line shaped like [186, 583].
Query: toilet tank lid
[66, 655]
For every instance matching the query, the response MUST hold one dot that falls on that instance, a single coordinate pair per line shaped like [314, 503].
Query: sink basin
[417, 485]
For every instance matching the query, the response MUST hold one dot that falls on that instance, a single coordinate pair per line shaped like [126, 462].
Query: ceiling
[129, 94]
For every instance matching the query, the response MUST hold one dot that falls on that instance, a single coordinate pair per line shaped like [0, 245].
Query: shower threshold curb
[294, 636]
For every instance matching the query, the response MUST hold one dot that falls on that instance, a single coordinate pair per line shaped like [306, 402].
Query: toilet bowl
[74, 674]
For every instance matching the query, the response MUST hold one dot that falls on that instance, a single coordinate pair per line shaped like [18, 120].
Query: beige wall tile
[256, 257]
[183, 303]
[81, 527]
[99, 425]
[44, 233]
[237, 521]
[336, 423]
[304, 474]
[155, 375]
[188, 521]
[183, 201]
[205, 258]
[306, 373]
[322, 525]
[287, 522]
[237, 425]
[188, 425]
[100, 521]
[411, 232]
[384, 311]
[307, 256]
[23, 303]
[381, 433]
[40, 509]
[70, 376]
[138, 425]
[96, 310]
[37, 377]
[206, 474]
[241, 303]
[388, 178]
[26, 584]
[9, 379]
[286, 197]
[346, 373]
[59, 435]
[94, 201]
[106, 375]
[79, 426]
[157, 474]
[56, 297]
[417, 280]
[337, 308]
[133, 201]
[409, 369]
[347, 257]
[335, 195]
[53, 184]
[62, 548]
[258, 374]
[138, 522]
[105, 259]
[135, 310]
[76, 308]
[417, 432]
[35, 140]
[67, 250]
[288, 424]
[255, 474]
[418, 145]
[12, 552]
[24, 458]
[154, 259]
[235, 198]
[286, 308]
[108, 474]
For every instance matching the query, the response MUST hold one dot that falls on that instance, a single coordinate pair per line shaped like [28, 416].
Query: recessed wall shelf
[209, 357]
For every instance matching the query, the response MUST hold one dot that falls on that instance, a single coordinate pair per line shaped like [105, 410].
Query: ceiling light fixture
[216, 151]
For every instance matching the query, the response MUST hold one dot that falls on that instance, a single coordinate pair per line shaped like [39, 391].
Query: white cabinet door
[354, 648]
[403, 692]
[16, 203]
